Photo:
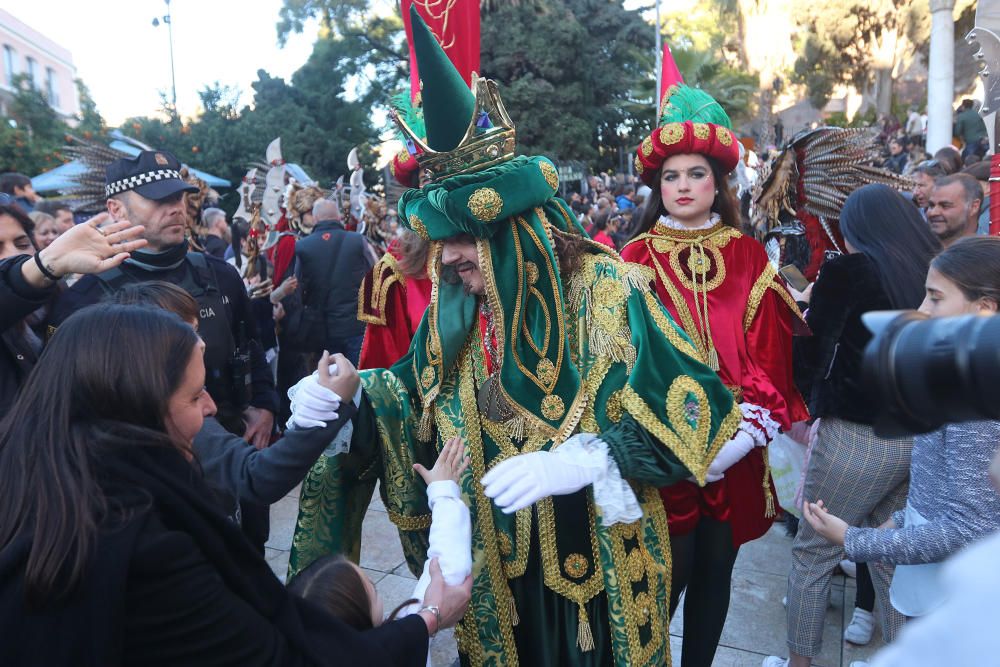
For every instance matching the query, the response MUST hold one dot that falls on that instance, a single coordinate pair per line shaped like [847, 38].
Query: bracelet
[45, 272]
[437, 616]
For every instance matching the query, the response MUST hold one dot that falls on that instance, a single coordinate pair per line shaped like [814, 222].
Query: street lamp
[170, 37]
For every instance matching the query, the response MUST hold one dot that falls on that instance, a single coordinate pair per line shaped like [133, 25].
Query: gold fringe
[514, 618]
[516, 427]
[584, 637]
[770, 511]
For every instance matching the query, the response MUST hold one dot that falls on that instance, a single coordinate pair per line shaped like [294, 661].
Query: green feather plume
[412, 115]
[694, 104]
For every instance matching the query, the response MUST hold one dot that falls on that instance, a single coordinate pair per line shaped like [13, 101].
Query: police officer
[147, 190]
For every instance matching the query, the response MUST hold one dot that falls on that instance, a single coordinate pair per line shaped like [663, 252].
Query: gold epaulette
[374, 291]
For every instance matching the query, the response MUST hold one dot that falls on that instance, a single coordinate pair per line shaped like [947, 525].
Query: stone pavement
[755, 627]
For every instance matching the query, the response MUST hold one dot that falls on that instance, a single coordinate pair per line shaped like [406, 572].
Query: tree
[859, 42]
[91, 122]
[32, 133]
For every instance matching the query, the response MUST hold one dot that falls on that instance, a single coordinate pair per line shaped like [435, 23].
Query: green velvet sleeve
[640, 456]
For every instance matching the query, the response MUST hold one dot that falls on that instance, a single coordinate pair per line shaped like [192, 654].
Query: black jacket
[18, 299]
[89, 290]
[242, 473]
[175, 583]
[828, 363]
[332, 262]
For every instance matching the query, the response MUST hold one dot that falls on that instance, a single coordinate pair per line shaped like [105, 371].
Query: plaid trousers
[862, 479]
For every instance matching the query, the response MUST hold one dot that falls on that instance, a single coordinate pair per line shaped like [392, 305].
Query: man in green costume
[574, 392]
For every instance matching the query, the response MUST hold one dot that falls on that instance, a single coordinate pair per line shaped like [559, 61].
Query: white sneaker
[859, 631]
[774, 661]
[849, 568]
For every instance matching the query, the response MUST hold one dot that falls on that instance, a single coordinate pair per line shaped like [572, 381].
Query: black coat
[175, 583]
[828, 363]
[18, 299]
[332, 262]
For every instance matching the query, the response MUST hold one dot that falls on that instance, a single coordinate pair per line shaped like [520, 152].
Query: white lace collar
[670, 223]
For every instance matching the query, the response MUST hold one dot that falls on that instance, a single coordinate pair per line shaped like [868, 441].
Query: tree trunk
[882, 88]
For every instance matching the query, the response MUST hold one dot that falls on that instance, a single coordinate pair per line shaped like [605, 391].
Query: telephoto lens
[924, 373]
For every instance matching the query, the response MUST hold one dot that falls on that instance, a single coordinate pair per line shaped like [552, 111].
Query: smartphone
[794, 277]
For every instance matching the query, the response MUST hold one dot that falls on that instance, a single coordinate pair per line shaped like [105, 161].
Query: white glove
[731, 452]
[312, 404]
[525, 479]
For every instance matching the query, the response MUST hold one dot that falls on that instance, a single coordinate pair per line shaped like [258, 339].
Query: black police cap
[153, 174]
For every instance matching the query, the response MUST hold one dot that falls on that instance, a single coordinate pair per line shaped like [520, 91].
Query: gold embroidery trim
[417, 225]
[765, 281]
[580, 593]
[724, 136]
[384, 275]
[701, 131]
[550, 174]
[671, 133]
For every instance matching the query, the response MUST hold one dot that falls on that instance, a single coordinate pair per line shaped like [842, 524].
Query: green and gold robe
[593, 351]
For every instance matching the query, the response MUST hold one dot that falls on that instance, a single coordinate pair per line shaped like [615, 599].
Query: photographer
[951, 502]
[860, 474]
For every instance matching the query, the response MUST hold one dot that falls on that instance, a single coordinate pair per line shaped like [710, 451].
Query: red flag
[669, 74]
[455, 23]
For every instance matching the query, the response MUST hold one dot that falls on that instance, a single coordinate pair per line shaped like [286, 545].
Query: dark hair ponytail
[725, 203]
[103, 382]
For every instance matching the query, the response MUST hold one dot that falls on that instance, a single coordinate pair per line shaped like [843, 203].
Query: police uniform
[237, 373]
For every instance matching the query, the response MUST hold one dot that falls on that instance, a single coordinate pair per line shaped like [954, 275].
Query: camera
[925, 373]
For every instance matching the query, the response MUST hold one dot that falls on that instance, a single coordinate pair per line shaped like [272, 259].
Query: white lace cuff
[757, 423]
[612, 494]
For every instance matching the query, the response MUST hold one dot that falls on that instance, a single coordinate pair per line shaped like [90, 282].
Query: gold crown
[479, 149]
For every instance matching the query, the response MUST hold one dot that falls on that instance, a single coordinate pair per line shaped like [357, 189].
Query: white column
[941, 75]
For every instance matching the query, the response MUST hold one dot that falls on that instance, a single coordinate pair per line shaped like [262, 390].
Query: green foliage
[575, 77]
[317, 124]
[91, 121]
[32, 134]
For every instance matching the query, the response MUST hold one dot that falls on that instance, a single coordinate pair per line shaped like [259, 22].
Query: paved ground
[755, 627]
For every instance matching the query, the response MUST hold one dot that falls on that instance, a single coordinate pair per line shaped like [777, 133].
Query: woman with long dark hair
[719, 286]
[112, 550]
[862, 476]
[30, 277]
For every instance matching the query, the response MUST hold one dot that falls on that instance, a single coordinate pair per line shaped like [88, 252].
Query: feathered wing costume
[797, 201]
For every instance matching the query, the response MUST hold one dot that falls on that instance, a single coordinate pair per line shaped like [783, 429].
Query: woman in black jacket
[25, 288]
[112, 551]
[857, 473]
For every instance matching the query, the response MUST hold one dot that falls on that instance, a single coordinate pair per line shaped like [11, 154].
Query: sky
[125, 60]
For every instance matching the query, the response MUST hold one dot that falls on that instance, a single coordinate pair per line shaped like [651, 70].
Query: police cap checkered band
[132, 182]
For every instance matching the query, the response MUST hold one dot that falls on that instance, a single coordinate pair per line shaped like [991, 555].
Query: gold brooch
[644, 605]
[553, 407]
[671, 133]
[723, 136]
[647, 147]
[576, 565]
[638, 165]
[531, 271]
[486, 204]
[701, 131]
[546, 371]
[550, 174]
[427, 377]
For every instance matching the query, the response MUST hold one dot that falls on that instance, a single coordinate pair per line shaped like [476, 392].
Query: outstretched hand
[830, 527]
[90, 247]
[450, 464]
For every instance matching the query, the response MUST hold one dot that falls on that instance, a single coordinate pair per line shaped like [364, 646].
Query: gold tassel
[517, 427]
[584, 637]
[514, 618]
[424, 430]
[713, 357]
[769, 509]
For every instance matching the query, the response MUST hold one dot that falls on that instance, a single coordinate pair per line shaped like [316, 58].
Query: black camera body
[925, 373]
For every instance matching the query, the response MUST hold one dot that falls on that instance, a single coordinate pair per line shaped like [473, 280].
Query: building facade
[48, 66]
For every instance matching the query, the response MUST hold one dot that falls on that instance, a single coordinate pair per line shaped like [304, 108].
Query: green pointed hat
[448, 102]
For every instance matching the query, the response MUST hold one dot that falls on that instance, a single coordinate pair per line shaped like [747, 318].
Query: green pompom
[695, 105]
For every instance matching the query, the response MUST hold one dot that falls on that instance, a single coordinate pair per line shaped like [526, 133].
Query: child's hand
[450, 464]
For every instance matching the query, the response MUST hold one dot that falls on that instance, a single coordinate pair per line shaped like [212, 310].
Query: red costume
[392, 305]
[750, 314]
